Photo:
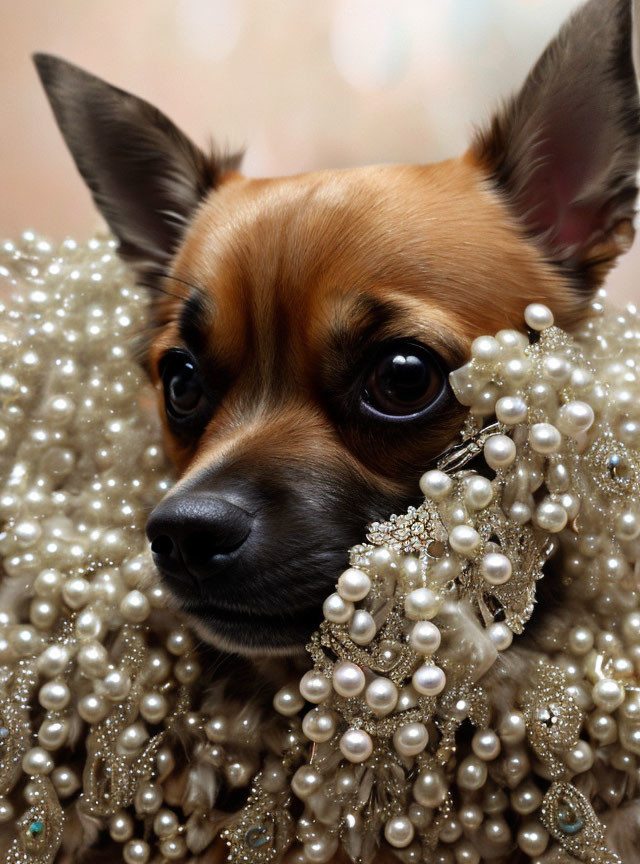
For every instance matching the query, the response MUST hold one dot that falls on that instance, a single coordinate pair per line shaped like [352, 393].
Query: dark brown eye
[182, 386]
[405, 380]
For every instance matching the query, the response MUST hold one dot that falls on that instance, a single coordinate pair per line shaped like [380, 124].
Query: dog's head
[303, 327]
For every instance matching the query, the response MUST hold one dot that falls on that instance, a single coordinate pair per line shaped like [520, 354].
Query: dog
[303, 327]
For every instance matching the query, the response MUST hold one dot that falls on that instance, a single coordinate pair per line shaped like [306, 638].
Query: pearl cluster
[408, 647]
[405, 731]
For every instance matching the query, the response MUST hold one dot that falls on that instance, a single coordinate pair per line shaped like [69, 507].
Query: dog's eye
[182, 387]
[404, 380]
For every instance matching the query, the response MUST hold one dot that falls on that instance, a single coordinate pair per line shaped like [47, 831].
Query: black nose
[194, 534]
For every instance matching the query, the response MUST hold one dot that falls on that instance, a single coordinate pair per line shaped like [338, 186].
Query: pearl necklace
[421, 724]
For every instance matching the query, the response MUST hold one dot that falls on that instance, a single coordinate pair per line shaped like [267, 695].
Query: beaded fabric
[472, 694]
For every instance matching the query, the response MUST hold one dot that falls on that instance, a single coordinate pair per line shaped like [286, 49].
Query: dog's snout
[193, 535]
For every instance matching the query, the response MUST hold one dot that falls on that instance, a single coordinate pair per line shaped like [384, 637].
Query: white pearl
[337, 610]
[136, 852]
[53, 733]
[362, 628]
[353, 585]
[485, 744]
[436, 485]
[399, 831]
[132, 738]
[93, 659]
[580, 758]
[464, 539]
[179, 642]
[526, 799]
[557, 368]
[425, 637]
[356, 745]
[410, 739]
[381, 696]
[429, 680]
[478, 492]
[88, 625]
[430, 788]
[153, 707]
[165, 823]
[348, 679]
[574, 418]
[92, 708]
[37, 761]
[121, 827]
[315, 687]
[545, 438]
[53, 660]
[533, 838]
[500, 635]
[421, 604]
[538, 317]
[65, 781]
[496, 568]
[466, 853]
[54, 695]
[511, 410]
[7, 813]
[76, 593]
[319, 725]
[288, 701]
[485, 348]
[551, 516]
[628, 526]
[512, 340]
[499, 451]
[186, 670]
[48, 583]
[608, 694]
[471, 774]
[116, 685]
[134, 607]
[148, 799]
[471, 816]
[320, 849]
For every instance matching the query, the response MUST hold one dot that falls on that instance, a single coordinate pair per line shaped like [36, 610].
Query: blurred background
[301, 84]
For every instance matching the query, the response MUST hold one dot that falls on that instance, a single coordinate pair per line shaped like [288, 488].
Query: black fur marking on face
[194, 323]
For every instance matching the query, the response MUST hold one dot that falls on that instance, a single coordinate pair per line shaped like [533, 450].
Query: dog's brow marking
[192, 321]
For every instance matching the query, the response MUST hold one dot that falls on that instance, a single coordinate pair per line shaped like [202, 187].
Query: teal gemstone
[257, 836]
[36, 828]
[569, 819]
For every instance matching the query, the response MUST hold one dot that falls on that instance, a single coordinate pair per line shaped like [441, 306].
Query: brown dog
[303, 327]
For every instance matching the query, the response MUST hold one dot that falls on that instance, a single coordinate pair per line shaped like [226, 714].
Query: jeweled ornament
[472, 694]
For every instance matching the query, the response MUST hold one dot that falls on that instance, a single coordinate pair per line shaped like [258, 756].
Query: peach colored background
[301, 83]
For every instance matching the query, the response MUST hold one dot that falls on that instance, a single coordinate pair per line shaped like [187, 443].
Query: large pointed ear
[145, 176]
[564, 151]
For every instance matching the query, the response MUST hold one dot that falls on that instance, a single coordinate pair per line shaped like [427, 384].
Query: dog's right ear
[145, 175]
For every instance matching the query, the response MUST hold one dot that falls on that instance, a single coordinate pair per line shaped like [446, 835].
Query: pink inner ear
[566, 197]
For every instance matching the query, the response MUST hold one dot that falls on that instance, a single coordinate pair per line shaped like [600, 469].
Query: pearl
[132, 738]
[399, 832]
[383, 561]
[627, 526]
[348, 679]
[136, 852]
[353, 585]
[550, 516]
[53, 733]
[314, 687]
[430, 788]
[466, 853]
[580, 640]
[608, 694]
[436, 485]
[532, 838]
[173, 848]
[43, 613]
[319, 725]
[48, 584]
[575, 418]
[557, 368]
[179, 642]
[538, 317]
[134, 607]
[92, 708]
[464, 539]
[381, 696]
[54, 696]
[7, 812]
[422, 603]
[37, 761]
[362, 628]
[485, 744]
[478, 492]
[53, 661]
[526, 799]
[116, 685]
[76, 593]
[496, 568]
[497, 831]
[511, 410]
[356, 745]
[165, 823]
[320, 850]
[88, 625]
[499, 452]
[471, 816]
[410, 739]
[485, 348]
[121, 827]
[153, 707]
[512, 728]
[545, 438]
[148, 799]
[288, 701]
[471, 774]
[500, 635]
[93, 659]
[65, 781]
[425, 637]
[337, 610]
[429, 680]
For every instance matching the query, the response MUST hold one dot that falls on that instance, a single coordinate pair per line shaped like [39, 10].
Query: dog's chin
[254, 635]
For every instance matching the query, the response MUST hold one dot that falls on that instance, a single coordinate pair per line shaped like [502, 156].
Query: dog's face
[304, 327]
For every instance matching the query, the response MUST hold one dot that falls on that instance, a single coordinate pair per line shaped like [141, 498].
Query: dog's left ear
[564, 151]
